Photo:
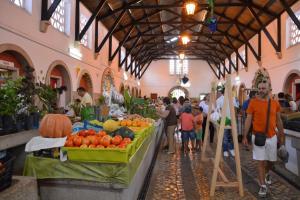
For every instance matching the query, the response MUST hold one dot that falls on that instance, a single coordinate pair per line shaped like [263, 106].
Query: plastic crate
[105, 155]
[6, 176]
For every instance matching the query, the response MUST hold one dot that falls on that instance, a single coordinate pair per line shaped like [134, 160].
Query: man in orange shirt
[257, 115]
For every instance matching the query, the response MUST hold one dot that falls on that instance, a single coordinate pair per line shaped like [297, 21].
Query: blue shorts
[186, 135]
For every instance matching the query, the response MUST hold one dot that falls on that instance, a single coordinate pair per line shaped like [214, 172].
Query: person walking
[169, 114]
[264, 114]
[187, 128]
[198, 119]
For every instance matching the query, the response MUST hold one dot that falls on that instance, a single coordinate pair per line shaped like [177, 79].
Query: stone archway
[85, 81]
[12, 53]
[59, 74]
[184, 90]
[291, 84]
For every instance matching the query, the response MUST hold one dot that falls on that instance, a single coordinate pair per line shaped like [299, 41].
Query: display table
[78, 180]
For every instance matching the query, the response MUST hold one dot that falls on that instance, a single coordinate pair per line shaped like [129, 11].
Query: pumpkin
[55, 126]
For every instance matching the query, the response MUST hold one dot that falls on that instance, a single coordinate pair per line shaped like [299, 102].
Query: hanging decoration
[212, 21]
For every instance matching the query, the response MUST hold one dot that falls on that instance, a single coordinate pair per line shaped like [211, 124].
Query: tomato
[127, 140]
[86, 141]
[77, 141]
[91, 132]
[102, 133]
[84, 146]
[122, 146]
[105, 141]
[92, 146]
[69, 143]
[116, 140]
[111, 146]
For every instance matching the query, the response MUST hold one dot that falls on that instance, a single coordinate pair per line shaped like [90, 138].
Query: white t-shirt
[220, 102]
[205, 106]
[86, 99]
[293, 106]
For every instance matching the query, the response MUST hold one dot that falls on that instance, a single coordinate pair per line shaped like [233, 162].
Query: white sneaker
[232, 152]
[263, 191]
[225, 153]
[268, 179]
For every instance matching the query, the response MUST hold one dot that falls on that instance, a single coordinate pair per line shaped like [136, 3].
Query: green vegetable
[124, 132]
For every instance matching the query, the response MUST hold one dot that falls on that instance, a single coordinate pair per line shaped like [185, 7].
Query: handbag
[260, 138]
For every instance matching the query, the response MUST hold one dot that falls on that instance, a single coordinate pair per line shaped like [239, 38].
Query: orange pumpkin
[55, 126]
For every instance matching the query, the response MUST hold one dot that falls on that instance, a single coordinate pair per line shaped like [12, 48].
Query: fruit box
[105, 155]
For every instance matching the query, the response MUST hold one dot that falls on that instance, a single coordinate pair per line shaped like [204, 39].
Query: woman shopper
[169, 114]
[187, 128]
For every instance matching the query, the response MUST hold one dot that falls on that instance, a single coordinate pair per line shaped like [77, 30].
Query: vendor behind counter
[86, 99]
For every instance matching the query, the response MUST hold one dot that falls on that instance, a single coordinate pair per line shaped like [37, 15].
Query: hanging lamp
[190, 7]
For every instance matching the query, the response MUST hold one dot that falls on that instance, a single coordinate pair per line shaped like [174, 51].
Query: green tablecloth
[49, 168]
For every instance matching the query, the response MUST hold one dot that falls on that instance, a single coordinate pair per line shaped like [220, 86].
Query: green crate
[105, 155]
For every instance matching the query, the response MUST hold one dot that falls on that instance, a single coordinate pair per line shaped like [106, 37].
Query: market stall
[89, 180]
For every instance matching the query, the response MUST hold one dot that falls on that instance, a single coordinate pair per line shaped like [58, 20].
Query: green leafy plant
[128, 101]
[47, 96]
[101, 100]
[10, 99]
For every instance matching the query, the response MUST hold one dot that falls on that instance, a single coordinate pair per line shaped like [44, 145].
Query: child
[187, 128]
[198, 120]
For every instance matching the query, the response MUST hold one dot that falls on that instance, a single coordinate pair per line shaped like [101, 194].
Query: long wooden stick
[211, 102]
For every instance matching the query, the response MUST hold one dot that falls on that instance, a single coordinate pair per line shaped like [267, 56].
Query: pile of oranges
[134, 123]
[91, 139]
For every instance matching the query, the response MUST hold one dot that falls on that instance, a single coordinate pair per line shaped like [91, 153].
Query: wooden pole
[227, 102]
[235, 140]
[212, 100]
[219, 144]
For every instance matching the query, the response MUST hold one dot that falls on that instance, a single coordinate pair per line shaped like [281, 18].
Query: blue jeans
[227, 140]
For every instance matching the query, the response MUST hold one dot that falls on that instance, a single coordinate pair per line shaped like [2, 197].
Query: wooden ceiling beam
[112, 12]
[269, 36]
[214, 71]
[290, 13]
[79, 34]
[121, 44]
[110, 32]
[137, 20]
[47, 13]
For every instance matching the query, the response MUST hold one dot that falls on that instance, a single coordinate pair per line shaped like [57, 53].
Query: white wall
[157, 79]
[277, 68]
[21, 28]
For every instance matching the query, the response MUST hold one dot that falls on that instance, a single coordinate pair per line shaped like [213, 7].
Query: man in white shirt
[204, 105]
[86, 99]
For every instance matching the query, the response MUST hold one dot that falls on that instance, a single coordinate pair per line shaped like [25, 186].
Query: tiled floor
[180, 176]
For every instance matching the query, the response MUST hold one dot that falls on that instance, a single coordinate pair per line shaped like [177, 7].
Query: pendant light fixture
[181, 56]
[190, 7]
[185, 39]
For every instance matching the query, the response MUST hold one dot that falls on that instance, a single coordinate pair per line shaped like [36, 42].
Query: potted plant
[9, 101]
[47, 97]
